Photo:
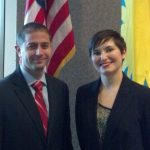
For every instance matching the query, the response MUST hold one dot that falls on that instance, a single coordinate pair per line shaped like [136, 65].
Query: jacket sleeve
[67, 130]
[1, 128]
[0, 132]
[146, 120]
[78, 118]
[144, 106]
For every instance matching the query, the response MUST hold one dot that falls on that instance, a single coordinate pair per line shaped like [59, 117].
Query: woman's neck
[109, 88]
[111, 80]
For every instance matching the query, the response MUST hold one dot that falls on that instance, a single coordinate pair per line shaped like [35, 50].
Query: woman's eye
[96, 53]
[108, 49]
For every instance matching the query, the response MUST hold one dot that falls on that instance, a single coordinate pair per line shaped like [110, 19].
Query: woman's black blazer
[128, 126]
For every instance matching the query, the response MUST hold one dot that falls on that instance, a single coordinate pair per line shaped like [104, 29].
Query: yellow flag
[135, 29]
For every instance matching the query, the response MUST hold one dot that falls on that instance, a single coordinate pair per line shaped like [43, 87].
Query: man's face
[35, 52]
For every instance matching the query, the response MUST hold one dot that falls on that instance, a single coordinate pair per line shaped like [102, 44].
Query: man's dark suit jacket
[20, 124]
[128, 126]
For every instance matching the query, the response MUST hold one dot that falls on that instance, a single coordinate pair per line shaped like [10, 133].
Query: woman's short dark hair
[105, 35]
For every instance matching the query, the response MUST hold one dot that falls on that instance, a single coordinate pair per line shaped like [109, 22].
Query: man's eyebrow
[45, 42]
[31, 43]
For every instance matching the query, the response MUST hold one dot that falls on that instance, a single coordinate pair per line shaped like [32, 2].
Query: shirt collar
[30, 79]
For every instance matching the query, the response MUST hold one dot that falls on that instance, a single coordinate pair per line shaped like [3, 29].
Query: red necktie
[38, 86]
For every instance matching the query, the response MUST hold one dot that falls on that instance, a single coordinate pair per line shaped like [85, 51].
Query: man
[31, 118]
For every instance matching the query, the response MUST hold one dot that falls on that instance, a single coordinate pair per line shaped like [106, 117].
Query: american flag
[55, 15]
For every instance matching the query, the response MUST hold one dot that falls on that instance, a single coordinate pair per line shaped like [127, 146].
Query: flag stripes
[57, 58]
[55, 15]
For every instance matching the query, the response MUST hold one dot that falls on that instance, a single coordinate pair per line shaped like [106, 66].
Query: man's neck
[37, 74]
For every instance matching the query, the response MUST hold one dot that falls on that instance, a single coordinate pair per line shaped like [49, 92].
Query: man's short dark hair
[28, 28]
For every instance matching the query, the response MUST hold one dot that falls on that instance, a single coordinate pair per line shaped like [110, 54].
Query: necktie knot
[38, 86]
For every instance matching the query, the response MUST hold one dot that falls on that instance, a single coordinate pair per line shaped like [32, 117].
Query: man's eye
[31, 47]
[45, 46]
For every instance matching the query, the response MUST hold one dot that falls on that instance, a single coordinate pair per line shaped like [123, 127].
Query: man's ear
[18, 51]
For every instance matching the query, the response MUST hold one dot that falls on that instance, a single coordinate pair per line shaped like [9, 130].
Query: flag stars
[41, 3]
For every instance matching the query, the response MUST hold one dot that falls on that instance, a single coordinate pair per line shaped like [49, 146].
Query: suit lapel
[121, 104]
[25, 96]
[92, 112]
[53, 106]
[49, 90]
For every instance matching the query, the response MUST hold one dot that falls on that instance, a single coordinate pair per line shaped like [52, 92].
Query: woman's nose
[103, 55]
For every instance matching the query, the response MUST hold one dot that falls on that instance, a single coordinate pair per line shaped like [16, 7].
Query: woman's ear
[123, 54]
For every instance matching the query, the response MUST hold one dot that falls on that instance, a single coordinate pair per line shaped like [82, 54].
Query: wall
[8, 16]
[87, 17]
[2, 6]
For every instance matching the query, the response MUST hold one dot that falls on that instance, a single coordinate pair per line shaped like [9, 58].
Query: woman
[113, 112]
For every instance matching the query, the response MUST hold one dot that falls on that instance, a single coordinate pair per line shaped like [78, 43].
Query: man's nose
[38, 50]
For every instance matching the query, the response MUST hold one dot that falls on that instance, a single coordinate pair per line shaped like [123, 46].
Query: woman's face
[107, 58]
